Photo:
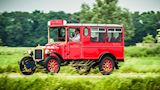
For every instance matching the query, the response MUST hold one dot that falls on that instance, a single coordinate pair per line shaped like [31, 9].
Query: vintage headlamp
[30, 52]
[47, 51]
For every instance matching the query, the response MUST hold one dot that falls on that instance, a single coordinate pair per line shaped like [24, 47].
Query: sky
[71, 6]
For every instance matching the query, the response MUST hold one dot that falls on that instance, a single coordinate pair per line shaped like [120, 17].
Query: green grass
[140, 65]
[138, 61]
[9, 57]
[59, 83]
[142, 52]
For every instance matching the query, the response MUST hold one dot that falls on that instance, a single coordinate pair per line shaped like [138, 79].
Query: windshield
[57, 34]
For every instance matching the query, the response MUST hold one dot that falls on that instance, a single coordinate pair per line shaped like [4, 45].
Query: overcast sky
[71, 6]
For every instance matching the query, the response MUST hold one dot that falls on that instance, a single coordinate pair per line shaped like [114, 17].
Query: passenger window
[98, 35]
[115, 35]
[86, 31]
[74, 34]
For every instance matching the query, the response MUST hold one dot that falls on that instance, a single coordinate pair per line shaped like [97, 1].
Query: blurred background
[24, 23]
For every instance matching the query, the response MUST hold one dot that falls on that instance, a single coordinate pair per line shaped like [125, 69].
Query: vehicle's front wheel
[106, 65]
[52, 64]
[27, 65]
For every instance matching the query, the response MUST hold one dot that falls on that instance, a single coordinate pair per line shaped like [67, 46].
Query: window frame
[114, 31]
[98, 31]
[84, 29]
[68, 29]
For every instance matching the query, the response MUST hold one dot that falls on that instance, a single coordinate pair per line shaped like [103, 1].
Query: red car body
[99, 45]
[85, 49]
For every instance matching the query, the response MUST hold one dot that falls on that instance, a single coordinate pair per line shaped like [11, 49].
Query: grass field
[141, 70]
[60, 83]
[9, 57]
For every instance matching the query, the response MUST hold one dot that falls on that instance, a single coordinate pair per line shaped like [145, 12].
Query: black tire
[27, 65]
[56, 63]
[106, 65]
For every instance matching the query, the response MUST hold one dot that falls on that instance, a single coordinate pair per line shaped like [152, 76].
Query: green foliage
[158, 36]
[145, 23]
[140, 65]
[1, 43]
[148, 39]
[146, 68]
[143, 60]
[68, 69]
[107, 11]
[9, 58]
[142, 52]
[28, 29]
[55, 83]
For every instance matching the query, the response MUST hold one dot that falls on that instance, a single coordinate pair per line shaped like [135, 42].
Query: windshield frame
[49, 34]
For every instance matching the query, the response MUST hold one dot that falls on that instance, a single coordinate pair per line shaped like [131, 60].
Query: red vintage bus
[83, 46]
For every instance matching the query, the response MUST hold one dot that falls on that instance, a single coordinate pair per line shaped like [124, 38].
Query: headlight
[47, 51]
[30, 52]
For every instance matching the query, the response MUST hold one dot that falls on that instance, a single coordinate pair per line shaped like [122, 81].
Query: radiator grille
[38, 54]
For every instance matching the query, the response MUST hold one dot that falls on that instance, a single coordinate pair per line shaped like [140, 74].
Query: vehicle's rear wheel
[52, 64]
[27, 65]
[106, 65]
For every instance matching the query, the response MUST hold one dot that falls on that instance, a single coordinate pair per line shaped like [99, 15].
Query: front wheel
[27, 66]
[106, 65]
[52, 64]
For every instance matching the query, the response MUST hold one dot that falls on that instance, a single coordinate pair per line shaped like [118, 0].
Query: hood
[55, 45]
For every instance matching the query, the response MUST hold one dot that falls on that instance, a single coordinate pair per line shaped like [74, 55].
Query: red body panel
[85, 49]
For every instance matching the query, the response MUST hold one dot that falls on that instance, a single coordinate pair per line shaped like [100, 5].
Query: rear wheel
[52, 64]
[27, 66]
[106, 65]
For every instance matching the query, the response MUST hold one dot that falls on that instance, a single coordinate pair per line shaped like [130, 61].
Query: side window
[102, 35]
[94, 34]
[114, 35]
[98, 35]
[57, 34]
[85, 31]
[74, 34]
[71, 32]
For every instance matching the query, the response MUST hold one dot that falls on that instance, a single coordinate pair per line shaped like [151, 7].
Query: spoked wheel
[27, 66]
[106, 66]
[52, 64]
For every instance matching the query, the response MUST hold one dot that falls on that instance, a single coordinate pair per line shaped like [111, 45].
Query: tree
[28, 29]
[148, 39]
[3, 23]
[14, 35]
[145, 23]
[1, 43]
[107, 11]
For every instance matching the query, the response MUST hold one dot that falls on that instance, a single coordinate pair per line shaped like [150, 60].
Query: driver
[76, 37]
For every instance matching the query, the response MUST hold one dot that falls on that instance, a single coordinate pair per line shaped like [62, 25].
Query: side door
[74, 45]
[116, 41]
[96, 43]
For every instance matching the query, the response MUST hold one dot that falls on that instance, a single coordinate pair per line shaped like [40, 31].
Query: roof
[79, 24]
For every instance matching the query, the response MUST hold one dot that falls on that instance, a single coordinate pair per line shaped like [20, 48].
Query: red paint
[53, 23]
[53, 65]
[107, 65]
[85, 49]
